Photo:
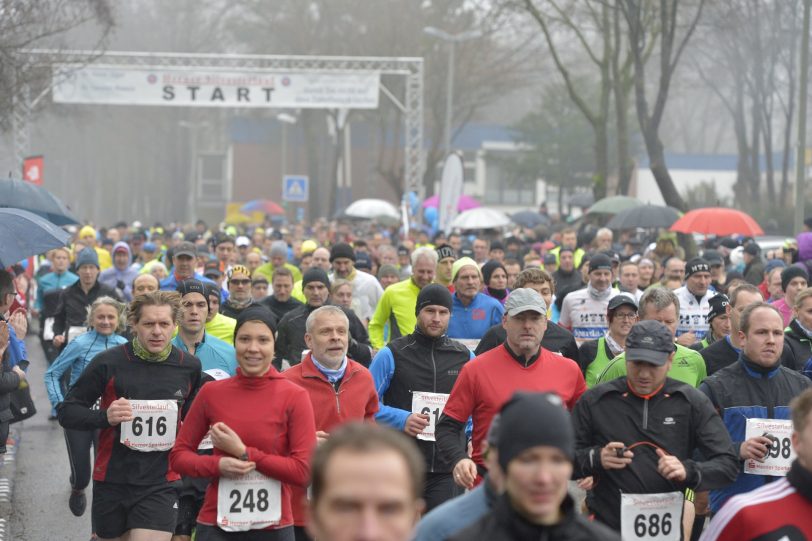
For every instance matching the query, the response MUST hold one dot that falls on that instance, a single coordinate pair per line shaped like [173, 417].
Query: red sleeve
[183, 458]
[460, 403]
[294, 468]
[372, 401]
[580, 387]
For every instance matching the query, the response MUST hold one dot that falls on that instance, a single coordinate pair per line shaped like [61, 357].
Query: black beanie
[718, 306]
[600, 261]
[211, 289]
[695, 265]
[315, 274]
[433, 294]
[255, 312]
[789, 273]
[191, 286]
[532, 419]
[444, 251]
[342, 249]
[489, 268]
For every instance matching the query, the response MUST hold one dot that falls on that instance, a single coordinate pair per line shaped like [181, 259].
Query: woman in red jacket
[263, 431]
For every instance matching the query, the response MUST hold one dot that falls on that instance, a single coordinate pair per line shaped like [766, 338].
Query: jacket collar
[309, 369]
[521, 528]
[757, 371]
[801, 480]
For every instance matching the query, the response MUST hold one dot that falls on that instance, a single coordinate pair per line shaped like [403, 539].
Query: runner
[340, 389]
[693, 302]
[146, 387]
[414, 375]
[105, 318]
[367, 483]
[595, 355]
[263, 432]
[584, 311]
[718, 321]
[48, 300]
[281, 302]
[239, 289]
[637, 435]
[473, 312]
[725, 352]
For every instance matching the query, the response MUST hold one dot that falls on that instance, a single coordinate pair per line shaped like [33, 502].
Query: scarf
[142, 353]
[596, 295]
[331, 375]
[498, 294]
[237, 305]
[614, 347]
[807, 332]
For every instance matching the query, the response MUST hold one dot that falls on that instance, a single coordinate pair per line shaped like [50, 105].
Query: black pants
[213, 533]
[301, 534]
[79, 444]
[440, 488]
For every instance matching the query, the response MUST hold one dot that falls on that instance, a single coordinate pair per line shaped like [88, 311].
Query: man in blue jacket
[472, 312]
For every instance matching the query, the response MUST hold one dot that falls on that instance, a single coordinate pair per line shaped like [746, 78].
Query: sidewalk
[8, 472]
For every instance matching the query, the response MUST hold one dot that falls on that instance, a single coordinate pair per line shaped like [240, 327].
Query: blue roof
[709, 162]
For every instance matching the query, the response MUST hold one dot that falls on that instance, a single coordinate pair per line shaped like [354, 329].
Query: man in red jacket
[340, 389]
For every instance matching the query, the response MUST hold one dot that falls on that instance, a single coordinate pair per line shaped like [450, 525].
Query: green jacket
[399, 300]
[688, 367]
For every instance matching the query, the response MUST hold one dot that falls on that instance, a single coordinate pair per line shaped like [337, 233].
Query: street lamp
[452, 40]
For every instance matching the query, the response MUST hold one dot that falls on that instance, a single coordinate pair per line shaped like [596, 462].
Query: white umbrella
[480, 218]
[372, 208]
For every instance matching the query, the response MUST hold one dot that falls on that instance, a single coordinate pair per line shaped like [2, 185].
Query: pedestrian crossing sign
[295, 188]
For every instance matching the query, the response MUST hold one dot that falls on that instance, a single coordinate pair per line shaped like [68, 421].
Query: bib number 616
[153, 425]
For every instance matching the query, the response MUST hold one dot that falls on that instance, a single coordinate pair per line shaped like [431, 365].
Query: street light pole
[452, 40]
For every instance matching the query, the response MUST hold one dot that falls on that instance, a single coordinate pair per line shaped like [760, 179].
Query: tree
[670, 47]
[42, 24]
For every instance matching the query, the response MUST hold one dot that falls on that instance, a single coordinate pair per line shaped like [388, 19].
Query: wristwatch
[244, 456]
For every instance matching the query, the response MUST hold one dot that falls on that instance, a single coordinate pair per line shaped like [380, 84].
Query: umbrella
[466, 203]
[19, 194]
[262, 205]
[647, 216]
[23, 234]
[614, 205]
[371, 209]
[717, 221]
[481, 218]
[529, 218]
[581, 199]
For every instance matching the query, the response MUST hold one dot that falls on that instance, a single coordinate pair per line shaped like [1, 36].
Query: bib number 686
[647, 526]
[247, 501]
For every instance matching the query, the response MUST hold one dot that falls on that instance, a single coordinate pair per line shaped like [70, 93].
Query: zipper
[645, 414]
[434, 390]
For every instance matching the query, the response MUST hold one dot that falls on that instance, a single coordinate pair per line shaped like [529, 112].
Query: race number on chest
[651, 517]
[250, 502]
[779, 460]
[153, 427]
[431, 404]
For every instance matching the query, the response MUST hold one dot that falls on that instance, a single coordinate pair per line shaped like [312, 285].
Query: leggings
[440, 487]
[79, 443]
[213, 533]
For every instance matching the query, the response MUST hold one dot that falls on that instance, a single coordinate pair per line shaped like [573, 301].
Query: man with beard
[365, 287]
[281, 302]
[584, 311]
[567, 277]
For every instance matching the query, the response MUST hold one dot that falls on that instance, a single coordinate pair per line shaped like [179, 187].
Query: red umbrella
[717, 221]
[262, 205]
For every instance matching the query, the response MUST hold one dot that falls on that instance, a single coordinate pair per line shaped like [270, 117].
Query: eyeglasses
[630, 316]
[239, 281]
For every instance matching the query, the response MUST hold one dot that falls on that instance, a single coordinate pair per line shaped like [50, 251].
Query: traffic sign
[295, 188]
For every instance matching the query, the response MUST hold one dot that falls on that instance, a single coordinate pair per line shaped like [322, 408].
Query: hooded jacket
[121, 279]
[797, 347]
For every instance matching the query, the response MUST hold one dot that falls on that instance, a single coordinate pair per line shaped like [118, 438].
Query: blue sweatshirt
[474, 320]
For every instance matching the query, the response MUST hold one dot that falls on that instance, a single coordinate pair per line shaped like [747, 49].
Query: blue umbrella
[18, 194]
[23, 234]
[529, 218]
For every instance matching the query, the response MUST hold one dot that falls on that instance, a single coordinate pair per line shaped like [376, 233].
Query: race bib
[781, 455]
[48, 329]
[75, 331]
[651, 517]
[431, 404]
[153, 427]
[206, 443]
[250, 502]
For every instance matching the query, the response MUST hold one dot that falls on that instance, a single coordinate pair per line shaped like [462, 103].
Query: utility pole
[800, 155]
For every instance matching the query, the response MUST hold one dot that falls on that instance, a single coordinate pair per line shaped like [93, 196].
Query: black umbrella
[23, 234]
[18, 194]
[645, 216]
[581, 199]
[529, 218]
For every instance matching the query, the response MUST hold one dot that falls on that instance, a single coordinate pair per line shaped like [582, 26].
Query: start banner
[194, 87]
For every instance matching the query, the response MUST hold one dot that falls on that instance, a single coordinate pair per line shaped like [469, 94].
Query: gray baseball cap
[185, 248]
[524, 299]
[650, 341]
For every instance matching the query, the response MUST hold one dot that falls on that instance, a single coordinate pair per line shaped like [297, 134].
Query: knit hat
[600, 261]
[713, 257]
[497, 245]
[342, 250]
[489, 268]
[315, 274]
[774, 264]
[363, 261]
[211, 289]
[87, 256]
[278, 247]
[444, 251]
[191, 286]
[788, 274]
[695, 265]
[463, 262]
[388, 270]
[433, 295]
[529, 420]
[255, 312]
[87, 231]
[718, 306]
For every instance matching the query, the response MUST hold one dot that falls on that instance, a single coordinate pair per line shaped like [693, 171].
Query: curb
[8, 470]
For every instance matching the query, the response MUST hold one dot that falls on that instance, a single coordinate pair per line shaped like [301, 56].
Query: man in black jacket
[290, 342]
[281, 302]
[535, 461]
[636, 436]
[71, 319]
[556, 338]
[413, 376]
